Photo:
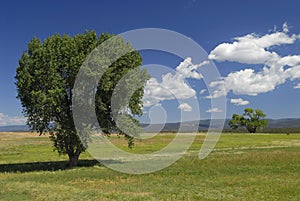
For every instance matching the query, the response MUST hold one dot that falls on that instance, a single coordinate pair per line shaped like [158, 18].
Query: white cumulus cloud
[297, 86]
[285, 27]
[254, 49]
[202, 91]
[290, 60]
[214, 110]
[243, 52]
[185, 107]
[172, 86]
[239, 101]
[293, 73]
[248, 82]
[189, 70]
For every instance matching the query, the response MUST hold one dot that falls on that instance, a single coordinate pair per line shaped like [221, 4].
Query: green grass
[242, 167]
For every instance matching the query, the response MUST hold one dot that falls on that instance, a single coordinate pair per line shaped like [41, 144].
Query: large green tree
[251, 119]
[45, 79]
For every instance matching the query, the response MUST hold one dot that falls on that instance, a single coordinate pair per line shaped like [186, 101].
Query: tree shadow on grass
[48, 166]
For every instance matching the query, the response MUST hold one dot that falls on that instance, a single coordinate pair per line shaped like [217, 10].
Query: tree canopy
[251, 119]
[45, 79]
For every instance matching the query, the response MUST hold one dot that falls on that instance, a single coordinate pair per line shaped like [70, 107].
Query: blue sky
[215, 25]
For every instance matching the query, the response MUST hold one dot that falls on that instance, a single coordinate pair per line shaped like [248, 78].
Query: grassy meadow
[241, 167]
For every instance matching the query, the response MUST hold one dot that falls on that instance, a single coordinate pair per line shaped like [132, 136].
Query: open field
[242, 167]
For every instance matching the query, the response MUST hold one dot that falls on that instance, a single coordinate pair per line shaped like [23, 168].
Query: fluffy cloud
[285, 27]
[189, 70]
[239, 101]
[172, 86]
[6, 120]
[249, 82]
[290, 60]
[185, 107]
[292, 73]
[242, 52]
[297, 86]
[202, 91]
[213, 110]
[253, 49]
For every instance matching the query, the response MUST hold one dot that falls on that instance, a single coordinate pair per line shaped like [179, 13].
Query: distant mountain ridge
[284, 123]
[14, 128]
[201, 125]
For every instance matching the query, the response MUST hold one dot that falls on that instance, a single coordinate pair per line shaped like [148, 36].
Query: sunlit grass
[242, 167]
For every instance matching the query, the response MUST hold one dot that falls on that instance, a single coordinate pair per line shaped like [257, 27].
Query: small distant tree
[251, 119]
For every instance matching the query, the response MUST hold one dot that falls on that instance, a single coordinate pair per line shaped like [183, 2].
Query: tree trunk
[73, 160]
[251, 129]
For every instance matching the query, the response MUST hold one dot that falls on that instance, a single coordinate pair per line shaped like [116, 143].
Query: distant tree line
[266, 130]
